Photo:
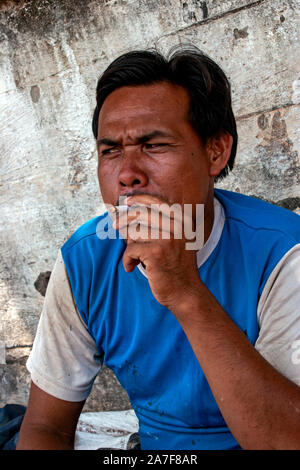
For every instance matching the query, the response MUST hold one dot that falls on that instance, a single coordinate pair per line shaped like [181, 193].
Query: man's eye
[107, 151]
[153, 146]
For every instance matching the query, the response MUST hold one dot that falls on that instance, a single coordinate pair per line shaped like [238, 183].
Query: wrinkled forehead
[159, 103]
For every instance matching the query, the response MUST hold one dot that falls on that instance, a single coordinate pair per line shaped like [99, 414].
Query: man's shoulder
[87, 230]
[257, 214]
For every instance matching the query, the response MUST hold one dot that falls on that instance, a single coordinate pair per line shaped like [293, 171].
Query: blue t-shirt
[142, 341]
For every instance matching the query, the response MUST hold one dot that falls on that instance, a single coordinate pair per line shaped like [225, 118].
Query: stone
[41, 282]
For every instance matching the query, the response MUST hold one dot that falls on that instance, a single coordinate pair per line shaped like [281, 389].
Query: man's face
[147, 145]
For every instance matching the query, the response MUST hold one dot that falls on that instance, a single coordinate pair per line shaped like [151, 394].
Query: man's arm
[49, 423]
[63, 363]
[260, 406]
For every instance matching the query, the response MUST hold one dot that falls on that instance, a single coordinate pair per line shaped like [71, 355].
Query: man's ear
[218, 148]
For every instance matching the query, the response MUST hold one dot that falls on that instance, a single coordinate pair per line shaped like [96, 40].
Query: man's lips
[157, 197]
[122, 197]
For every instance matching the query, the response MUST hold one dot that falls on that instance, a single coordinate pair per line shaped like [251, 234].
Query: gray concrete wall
[51, 54]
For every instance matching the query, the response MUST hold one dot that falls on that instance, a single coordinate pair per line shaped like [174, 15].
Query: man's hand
[153, 238]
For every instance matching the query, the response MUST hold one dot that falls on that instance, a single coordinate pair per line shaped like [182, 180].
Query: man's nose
[131, 174]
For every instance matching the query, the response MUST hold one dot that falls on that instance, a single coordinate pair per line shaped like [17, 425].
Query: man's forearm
[42, 438]
[260, 406]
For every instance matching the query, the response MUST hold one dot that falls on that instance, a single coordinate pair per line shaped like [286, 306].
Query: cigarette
[118, 209]
[121, 208]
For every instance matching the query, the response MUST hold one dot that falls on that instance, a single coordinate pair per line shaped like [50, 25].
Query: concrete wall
[51, 54]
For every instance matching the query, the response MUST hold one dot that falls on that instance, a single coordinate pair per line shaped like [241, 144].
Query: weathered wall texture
[51, 54]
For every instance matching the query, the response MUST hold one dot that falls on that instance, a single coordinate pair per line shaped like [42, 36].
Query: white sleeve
[279, 317]
[64, 359]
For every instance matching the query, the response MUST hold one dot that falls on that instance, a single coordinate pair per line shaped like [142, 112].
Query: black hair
[210, 111]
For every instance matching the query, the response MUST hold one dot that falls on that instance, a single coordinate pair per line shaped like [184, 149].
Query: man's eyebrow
[106, 141]
[140, 139]
[152, 135]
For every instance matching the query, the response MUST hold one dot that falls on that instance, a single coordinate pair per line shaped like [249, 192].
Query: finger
[144, 199]
[171, 210]
[160, 225]
[141, 231]
[131, 213]
[122, 215]
[174, 211]
[141, 210]
[132, 222]
[133, 255]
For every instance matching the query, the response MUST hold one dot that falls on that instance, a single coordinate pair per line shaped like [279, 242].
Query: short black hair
[209, 90]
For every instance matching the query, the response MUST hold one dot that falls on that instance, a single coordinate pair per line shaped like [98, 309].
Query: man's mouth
[123, 197]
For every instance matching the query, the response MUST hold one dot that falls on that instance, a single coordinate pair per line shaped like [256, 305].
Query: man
[203, 341]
